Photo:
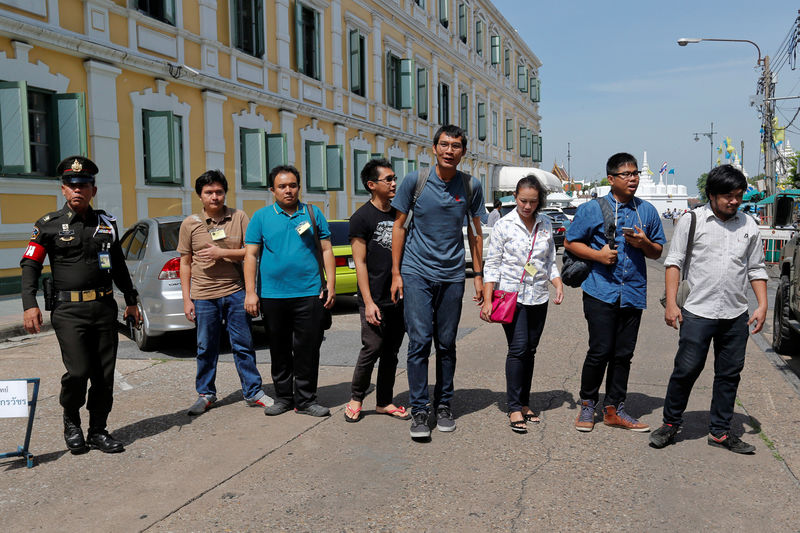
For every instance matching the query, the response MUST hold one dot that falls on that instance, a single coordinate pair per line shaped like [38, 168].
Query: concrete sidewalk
[11, 317]
[233, 469]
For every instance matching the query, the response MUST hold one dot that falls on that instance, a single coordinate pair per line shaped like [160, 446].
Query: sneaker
[618, 418]
[585, 419]
[314, 409]
[278, 408]
[202, 404]
[419, 425]
[262, 401]
[663, 435]
[444, 419]
[730, 441]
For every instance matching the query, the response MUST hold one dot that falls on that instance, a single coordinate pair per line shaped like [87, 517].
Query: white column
[377, 68]
[103, 129]
[342, 205]
[214, 136]
[209, 61]
[287, 127]
[336, 55]
[283, 42]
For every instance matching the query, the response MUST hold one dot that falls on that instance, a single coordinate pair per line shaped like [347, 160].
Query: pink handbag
[504, 303]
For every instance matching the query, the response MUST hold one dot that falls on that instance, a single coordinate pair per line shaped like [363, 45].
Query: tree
[701, 187]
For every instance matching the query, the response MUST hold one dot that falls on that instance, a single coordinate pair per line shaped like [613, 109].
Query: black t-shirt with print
[375, 227]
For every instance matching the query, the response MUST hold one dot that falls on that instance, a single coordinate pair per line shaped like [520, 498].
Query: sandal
[356, 414]
[532, 417]
[399, 413]
[517, 426]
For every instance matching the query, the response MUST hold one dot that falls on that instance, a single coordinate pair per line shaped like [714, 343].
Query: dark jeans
[523, 335]
[432, 310]
[87, 335]
[612, 339]
[730, 341]
[295, 335]
[382, 342]
[209, 315]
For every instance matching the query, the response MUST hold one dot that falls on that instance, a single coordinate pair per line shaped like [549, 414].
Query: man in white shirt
[726, 254]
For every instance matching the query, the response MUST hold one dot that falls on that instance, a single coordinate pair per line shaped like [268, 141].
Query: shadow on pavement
[695, 425]
[19, 463]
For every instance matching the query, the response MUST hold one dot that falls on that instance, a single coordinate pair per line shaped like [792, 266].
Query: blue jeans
[432, 310]
[730, 342]
[209, 315]
[522, 335]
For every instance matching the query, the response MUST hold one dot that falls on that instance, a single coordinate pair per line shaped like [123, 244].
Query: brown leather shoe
[618, 418]
[585, 420]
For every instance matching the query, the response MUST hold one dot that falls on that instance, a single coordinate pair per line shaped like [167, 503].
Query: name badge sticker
[217, 234]
[302, 227]
[104, 260]
[530, 269]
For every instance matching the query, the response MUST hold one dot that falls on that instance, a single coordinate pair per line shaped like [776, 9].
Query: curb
[8, 332]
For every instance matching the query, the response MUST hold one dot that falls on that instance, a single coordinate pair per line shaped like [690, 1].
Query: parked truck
[786, 317]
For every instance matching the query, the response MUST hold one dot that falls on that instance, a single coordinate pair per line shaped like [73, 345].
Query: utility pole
[769, 161]
[741, 155]
[710, 135]
[569, 173]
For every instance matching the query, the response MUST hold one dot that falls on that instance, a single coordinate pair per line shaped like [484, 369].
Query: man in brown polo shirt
[211, 248]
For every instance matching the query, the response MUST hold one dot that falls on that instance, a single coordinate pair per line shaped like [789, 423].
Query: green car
[345, 266]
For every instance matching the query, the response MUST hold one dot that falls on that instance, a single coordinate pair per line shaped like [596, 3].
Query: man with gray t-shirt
[428, 272]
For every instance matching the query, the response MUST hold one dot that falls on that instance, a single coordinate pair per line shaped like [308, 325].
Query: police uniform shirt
[84, 253]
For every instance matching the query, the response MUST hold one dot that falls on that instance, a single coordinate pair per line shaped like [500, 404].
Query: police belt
[88, 295]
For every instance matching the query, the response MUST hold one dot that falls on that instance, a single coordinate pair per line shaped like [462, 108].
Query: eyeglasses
[445, 145]
[387, 179]
[627, 175]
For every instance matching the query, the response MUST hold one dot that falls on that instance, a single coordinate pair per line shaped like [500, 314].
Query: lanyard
[535, 231]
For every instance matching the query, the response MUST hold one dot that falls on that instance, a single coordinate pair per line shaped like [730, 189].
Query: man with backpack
[615, 238]
[428, 270]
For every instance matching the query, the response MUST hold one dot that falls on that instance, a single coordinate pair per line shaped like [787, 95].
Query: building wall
[126, 64]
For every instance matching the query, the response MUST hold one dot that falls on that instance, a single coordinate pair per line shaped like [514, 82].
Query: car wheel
[141, 335]
[784, 339]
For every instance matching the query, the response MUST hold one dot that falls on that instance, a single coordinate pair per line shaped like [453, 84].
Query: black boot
[73, 435]
[99, 438]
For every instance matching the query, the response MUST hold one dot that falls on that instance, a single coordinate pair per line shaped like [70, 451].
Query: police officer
[85, 256]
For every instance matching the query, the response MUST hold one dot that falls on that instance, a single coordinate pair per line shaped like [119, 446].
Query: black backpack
[575, 270]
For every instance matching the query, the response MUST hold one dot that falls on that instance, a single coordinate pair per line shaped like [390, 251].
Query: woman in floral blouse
[522, 241]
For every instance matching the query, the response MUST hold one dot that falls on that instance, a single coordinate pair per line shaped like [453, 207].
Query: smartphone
[628, 231]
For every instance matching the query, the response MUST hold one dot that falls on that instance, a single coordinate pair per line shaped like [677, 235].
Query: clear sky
[614, 79]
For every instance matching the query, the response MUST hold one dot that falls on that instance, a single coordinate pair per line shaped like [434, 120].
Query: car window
[138, 244]
[126, 240]
[339, 233]
[168, 236]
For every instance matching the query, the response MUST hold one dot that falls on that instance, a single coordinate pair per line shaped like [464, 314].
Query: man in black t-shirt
[382, 326]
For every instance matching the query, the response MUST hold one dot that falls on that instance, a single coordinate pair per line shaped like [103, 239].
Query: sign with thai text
[13, 399]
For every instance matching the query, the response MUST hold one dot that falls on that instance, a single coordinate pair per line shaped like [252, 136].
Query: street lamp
[766, 82]
[710, 135]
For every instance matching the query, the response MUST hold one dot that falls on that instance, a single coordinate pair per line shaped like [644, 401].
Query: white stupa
[664, 196]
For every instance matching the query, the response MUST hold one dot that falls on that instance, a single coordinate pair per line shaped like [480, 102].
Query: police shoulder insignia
[34, 233]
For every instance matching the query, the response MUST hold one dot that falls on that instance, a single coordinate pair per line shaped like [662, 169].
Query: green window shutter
[236, 23]
[509, 134]
[159, 146]
[444, 12]
[507, 62]
[411, 166]
[277, 151]
[481, 121]
[71, 121]
[422, 93]
[376, 155]
[259, 28]
[360, 158]
[536, 85]
[400, 168]
[406, 84]
[15, 154]
[495, 49]
[462, 22]
[523, 145]
[334, 167]
[522, 78]
[253, 157]
[177, 143]
[355, 61]
[169, 11]
[317, 47]
[315, 166]
[494, 128]
[537, 148]
[298, 35]
[464, 111]
[479, 37]
[423, 164]
[391, 80]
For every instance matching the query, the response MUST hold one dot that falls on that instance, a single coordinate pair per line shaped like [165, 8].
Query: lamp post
[710, 135]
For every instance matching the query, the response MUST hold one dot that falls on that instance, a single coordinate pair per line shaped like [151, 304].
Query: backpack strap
[422, 179]
[468, 189]
[317, 247]
[609, 224]
[689, 245]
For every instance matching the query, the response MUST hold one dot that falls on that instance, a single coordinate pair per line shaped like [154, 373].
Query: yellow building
[158, 91]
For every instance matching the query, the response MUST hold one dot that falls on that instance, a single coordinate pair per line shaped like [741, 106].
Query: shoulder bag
[327, 317]
[683, 286]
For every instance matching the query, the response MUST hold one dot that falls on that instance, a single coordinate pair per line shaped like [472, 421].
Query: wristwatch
[479, 273]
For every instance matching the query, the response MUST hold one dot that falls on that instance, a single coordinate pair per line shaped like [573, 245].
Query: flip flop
[532, 418]
[398, 412]
[518, 426]
[356, 414]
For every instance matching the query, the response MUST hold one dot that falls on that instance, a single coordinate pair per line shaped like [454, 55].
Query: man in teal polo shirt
[290, 294]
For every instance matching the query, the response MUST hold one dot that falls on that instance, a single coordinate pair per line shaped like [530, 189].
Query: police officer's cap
[77, 169]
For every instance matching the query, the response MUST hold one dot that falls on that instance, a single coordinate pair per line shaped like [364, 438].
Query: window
[522, 78]
[495, 49]
[360, 158]
[400, 82]
[479, 37]
[324, 167]
[163, 147]
[462, 22]
[509, 134]
[537, 149]
[39, 128]
[260, 152]
[523, 142]
[420, 3]
[248, 26]
[357, 54]
[507, 62]
[481, 121]
[494, 128]
[535, 87]
[400, 167]
[422, 93]
[163, 10]
[464, 111]
[444, 13]
[307, 32]
[444, 103]
[411, 165]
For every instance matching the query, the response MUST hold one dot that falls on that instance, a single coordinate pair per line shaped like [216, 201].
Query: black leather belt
[88, 295]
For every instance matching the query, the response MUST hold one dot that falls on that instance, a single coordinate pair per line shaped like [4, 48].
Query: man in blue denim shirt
[615, 293]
